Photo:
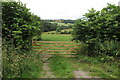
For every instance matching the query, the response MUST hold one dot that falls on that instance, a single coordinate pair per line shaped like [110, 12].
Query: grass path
[46, 73]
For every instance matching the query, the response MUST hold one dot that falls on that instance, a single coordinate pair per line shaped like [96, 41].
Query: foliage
[109, 50]
[37, 38]
[47, 26]
[20, 65]
[19, 25]
[65, 32]
[99, 26]
[51, 25]
[58, 30]
[62, 21]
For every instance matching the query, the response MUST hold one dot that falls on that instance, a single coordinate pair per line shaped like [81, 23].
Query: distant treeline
[60, 20]
[51, 25]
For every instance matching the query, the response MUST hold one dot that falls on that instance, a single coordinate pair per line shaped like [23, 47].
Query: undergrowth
[17, 65]
[96, 67]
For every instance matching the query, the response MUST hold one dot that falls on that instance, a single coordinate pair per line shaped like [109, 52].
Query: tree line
[52, 25]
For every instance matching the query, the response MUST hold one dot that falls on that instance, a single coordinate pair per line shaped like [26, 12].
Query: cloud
[64, 9]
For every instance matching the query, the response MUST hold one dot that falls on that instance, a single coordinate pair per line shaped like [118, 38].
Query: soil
[81, 74]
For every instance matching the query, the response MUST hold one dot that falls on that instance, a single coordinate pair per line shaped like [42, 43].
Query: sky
[65, 9]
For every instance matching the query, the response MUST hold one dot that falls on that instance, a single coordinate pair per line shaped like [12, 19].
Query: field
[54, 32]
[56, 37]
[63, 24]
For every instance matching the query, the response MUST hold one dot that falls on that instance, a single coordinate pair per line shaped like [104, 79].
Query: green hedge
[19, 25]
[100, 30]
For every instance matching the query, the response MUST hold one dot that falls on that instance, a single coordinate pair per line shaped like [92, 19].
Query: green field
[56, 37]
[50, 32]
[63, 24]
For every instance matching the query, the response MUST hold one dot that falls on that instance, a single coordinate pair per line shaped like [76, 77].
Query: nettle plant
[19, 25]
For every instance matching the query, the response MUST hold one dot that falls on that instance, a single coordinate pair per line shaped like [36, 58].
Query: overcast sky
[64, 9]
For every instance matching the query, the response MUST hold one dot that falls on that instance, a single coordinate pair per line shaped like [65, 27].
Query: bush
[65, 32]
[100, 31]
[106, 51]
[19, 25]
[109, 50]
[37, 38]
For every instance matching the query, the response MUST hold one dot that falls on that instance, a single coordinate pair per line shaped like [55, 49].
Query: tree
[58, 30]
[99, 26]
[19, 25]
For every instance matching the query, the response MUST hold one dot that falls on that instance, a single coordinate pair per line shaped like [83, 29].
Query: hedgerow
[101, 29]
[19, 25]
[18, 29]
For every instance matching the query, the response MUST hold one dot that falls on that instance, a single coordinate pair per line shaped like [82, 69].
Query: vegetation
[19, 27]
[55, 37]
[58, 30]
[61, 67]
[47, 26]
[95, 67]
[16, 65]
[100, 31]
[51, 25]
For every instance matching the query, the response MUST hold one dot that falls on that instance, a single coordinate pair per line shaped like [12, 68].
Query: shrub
[100, 31]
[19, 25]
[37, 38]
[108, 49]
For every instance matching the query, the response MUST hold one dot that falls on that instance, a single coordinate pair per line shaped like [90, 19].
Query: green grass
[63, 24]
[96, 68]
[61, 67]
[31, 66]
[56, 37]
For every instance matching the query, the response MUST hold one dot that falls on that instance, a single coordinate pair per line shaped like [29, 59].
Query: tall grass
[17, 65]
